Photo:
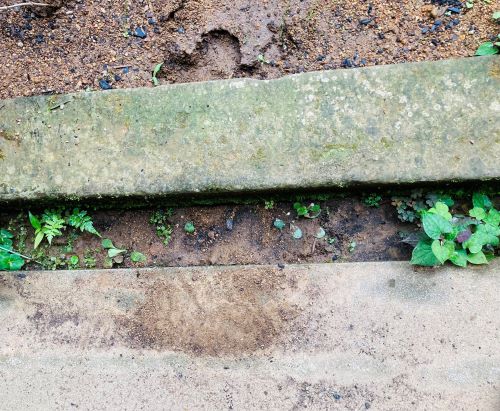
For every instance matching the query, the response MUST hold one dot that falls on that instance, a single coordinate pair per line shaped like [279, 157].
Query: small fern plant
[52, 224]
[82, 221]
[48, 226]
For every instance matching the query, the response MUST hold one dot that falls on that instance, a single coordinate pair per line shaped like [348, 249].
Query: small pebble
[181, 30]
[105, 85]
[229, 224]
[39, 39]
[365, 21]
[140, 32]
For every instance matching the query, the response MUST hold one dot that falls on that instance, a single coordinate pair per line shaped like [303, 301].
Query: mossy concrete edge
[398, 124]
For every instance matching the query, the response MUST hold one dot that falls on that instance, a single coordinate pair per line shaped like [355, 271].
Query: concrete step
[420, 122]
[384, 336]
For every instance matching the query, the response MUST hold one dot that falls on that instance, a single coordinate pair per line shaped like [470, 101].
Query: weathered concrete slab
[430, 121]
[346, 336]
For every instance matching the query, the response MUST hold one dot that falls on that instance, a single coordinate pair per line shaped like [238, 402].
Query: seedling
[73, 261]
[490, 47]
[156, 70]
[82, 221]
[372, 200]
[456, 238]
[310, 211]
[279, 224]
[268, 204]
[189, 227]
[163, 229]
[137, 257]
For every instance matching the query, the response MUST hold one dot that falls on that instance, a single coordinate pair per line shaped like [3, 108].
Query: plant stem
[24, 4]
[20, 255]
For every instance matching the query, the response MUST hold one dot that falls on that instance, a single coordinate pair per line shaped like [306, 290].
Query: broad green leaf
[481, 200]
[493, 218]
[487, 49]
[459, 258]
[477, 258]
[443, 251]
[189, 227]
[35, 222]
[279, 224]
[74, 260]
[478, 212]
[435, 225]
[137, 257]
[10, 262]
[107, 243]
[113, 252]
[496, 15]
[297, 234]
[422, 254]
[5, 236]
[38, 239]
[442, 210]
[320, 233]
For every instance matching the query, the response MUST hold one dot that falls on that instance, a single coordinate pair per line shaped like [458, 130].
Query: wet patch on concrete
[233, 313]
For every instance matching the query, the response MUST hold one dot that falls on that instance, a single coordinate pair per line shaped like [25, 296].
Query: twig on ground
[12, 6]
[20, 255]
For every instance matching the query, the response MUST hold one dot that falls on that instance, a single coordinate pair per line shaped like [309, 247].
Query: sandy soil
[91, 44]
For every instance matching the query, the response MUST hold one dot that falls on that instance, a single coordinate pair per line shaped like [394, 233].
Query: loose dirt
[80, 45]
[233, 234]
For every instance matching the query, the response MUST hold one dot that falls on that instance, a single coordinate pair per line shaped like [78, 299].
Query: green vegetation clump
[457, 238]
[310, 211]
[51, 224]
[372, 200]
[491, 47]
[160, 219]
[9, 259]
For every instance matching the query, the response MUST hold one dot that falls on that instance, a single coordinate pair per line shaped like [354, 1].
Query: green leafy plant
[137, 257]
[89, 259]
[48, 226]
[490, 47]
[457, 238]
[112, 250]
[51, 224]
[73, 261]
[279, 224]
[10, 260]
[156, 70]
[310, 211]
[372, 200]
[163, 228]
[82, 221]
[410, 207]
[189, 227]
[268, 204]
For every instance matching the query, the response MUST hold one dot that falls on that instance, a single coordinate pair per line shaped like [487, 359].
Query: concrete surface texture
[431, 121]
[382, 336]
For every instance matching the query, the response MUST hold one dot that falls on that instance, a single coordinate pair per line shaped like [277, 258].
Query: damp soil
[231, 235]
[79, 45]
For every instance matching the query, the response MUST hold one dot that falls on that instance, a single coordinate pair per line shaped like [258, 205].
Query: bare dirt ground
[80, 44]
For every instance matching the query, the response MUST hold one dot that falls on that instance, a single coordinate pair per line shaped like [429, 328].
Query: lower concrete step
[384, 336]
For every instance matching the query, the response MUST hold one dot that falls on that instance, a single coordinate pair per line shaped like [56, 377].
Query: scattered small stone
[281, 266]
[140, 32]
[181, 30]
[229, 224]
[366, 21]
[455, 10]
[39, 39]
[335, 258]
[367, 405]
[117, 77]
[103, 84]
